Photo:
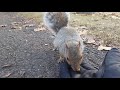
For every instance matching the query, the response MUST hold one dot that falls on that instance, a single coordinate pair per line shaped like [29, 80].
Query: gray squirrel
[67, 39]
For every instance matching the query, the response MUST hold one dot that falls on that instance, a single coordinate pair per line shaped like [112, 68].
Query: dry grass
[104, 28]
[37, 16]
[100, 26]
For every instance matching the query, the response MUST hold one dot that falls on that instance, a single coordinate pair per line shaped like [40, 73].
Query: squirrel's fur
[67, 39]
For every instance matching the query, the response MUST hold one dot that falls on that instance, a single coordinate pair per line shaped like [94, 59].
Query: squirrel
[67, 39]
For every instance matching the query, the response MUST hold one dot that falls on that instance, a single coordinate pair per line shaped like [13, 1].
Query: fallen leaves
[115, 17]
[7, 75]
[46, 44]
[89, 40]
[7, 65]
[3, 25]
[104, 48]
[39, 29]
[16, 27]
[16, 23]
[83, 32]
[29, 25]
[22, 73]
[83, 27]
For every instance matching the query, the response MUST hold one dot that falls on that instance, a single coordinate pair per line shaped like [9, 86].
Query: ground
[26, 46]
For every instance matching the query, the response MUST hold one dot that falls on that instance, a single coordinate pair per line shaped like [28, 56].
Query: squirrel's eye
[67, 59]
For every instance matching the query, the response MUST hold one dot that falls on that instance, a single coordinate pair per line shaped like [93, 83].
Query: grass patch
[106, 28]
[37, 16]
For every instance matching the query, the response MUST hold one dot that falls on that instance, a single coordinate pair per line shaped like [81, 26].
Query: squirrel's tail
[56, 20]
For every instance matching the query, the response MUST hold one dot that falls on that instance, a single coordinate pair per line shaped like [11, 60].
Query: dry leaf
[7, 75]
[7, 65]
[89, 40]
[22, 73]
[16, 27]
[83, 32]
[29, 25]
[52, 36]
[3, 25]
[15, 23]
[114, 17]
[39, 29]
[104, 48]
[46, 44]
[83, 27]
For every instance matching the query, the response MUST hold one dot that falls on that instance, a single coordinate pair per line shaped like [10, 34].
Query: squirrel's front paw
[61, 60]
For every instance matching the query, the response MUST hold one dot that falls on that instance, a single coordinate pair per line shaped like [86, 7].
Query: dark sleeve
[111, 66]
[87, 71]
[64, 70]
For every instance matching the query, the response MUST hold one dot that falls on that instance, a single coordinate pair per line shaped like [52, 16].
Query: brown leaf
[7, 65]
[46, 44]
[7, 75]
[15, 23]
[83, 27]
[83, 32]
[22, 73]
[104, 48]
[39, 29]
[29, 25]
[3, 25]
[114, 17]
[16, 27]
[89, 40]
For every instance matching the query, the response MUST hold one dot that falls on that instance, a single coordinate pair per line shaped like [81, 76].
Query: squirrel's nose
[76, 69]
[79, 69]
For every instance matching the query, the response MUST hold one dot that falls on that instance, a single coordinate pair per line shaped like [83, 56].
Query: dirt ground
[26, 53]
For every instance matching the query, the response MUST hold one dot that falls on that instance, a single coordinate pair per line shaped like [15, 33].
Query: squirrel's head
[74, 56]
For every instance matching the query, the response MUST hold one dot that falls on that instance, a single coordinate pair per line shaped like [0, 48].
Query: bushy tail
[56, 20]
